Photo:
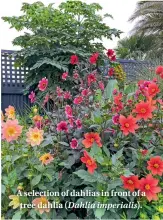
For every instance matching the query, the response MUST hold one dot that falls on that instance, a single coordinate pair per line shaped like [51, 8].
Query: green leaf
[108, 92]
[40, 168]
[116, 156]
[36, 180]
[98, 95]
[17, 215]
[105, 149]
[64, 143]
[86, 176]
[113, 184]
[99, 213]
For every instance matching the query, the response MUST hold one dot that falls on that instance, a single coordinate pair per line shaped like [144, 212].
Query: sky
[121, 10]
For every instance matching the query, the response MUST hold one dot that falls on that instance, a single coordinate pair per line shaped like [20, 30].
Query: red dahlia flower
[153, 89]
[111, 72]
[131, 183]
[91, 78]
[78, 124]
[68, 111]
[78, 100]
[65, 75]
[149, 186]
[32, 97]
[90, 138]
[43, 84]
[74, 60]
[62, 126]
[110, 52]
[93, 58]
[144, 110]
[74, 143]
[155, 165]
[128, 125]
[159, 70]
[90, 162]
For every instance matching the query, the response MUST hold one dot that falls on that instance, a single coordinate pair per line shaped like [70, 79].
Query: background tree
[149, 21]
[135, 47]
[54, 34]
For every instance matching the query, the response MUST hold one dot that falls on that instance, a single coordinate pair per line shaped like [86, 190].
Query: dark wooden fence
[13, 79]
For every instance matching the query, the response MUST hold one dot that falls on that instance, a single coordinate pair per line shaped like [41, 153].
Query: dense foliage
[104, 141]
[53, 34]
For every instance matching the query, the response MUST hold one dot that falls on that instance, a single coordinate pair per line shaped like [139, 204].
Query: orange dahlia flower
[46, 158]
[131, 183]
[128, 125]
[11, 130]
[155, 165]
[153, 89]
[90, 162]
[10, 112]
[41, 204]
[149, 186]
[37, 118]
[90, 138]
[144, 110]
[34, 136]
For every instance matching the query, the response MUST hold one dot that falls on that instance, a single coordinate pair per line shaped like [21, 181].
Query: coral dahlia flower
[153, 89]
[118, 99]
[46, 158]
[128, 124]
[155, 165]
[74, 143]
[89, 162]
[131, 183]
[144, 110]
[149, 186]
[90, 138]
[10, 112]
[41, 204]
[34, 136]
[43, 84]
[11, 130]
[74, 60]
[62, 126]
[159, 70]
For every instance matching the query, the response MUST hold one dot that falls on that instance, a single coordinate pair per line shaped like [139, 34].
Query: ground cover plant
[102, 141]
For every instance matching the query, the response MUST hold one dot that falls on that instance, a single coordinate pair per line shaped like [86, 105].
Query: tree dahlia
[34, 136]
[89, 162]
[128, 125]
[90, 138]
[10, 112]
[131, 183]
[43, 84]
[155, 165]
[149, 186]
[144, 110]
[11, 130]
[74, 60]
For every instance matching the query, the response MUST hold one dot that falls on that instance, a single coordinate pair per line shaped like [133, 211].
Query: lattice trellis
[12, 81]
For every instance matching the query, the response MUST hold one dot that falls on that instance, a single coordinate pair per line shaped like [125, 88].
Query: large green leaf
[99, 213]
[108, 92]
[36, 180]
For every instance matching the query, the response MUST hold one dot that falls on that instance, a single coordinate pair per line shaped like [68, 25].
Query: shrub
[101, 144]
